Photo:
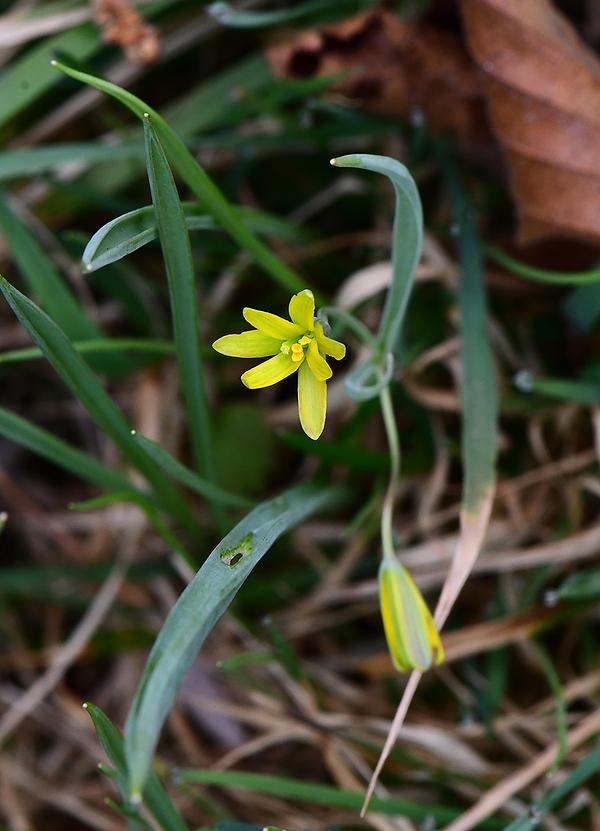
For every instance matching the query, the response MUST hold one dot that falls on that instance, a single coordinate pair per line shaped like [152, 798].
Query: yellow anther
[304, 340]
[297, 352]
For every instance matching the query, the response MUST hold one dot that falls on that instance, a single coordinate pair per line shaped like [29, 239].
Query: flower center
[296, 350]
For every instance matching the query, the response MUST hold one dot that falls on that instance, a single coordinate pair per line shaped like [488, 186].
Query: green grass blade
[239, 19]
[540, 275]
[44, 282]
[32, 161]
[177, 256]
[129, 232]
[581, 773]
[562, 727]
[288, 788]
[197, 180]
[407, 239]
[41, 277]
[407, 236]
[59, 452]
[198, 609]
[583, 585]
[155, 797]
[563, 389]
[187, 477]
[96, 346]
[84, 385]
[479, 395]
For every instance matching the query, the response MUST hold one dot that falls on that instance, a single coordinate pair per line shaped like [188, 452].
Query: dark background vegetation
[296, 681]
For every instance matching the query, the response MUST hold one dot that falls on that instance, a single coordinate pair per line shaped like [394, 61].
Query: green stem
[387, 411]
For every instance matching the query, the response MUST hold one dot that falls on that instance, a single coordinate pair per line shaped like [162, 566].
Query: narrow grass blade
[541, 275]
[197, 180]
[407, 239]
[479, 402]
[197, 611]
[187, 477]
[316, 794]
[562, 727]
[580, 774]
[177, 256]
[31, 161]
[240, 19]
[82, 382]
[583, 585]
[563, 389]
[41, 277]
[131, 231]
[59, 452]
[479, 438]
[155, 797]
[94, 347]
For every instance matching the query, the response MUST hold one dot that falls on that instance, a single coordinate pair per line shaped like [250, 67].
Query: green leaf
[96, 346]
[316, 794]
[197, 611]
[177, 255]
[197, 180]
[43, 280]
[31, 161]
[155, 797]
[580, 774]
[59, 452]
[129, 232]
[187, 477]
[478, 390]
[240, 19]
[541, 275]
[563, 389]
[584, 585]
[84, 385]
[368, 379]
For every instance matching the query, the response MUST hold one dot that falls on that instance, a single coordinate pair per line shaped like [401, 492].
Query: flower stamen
[297, 352]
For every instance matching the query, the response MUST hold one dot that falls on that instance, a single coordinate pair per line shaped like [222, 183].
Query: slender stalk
[387, 511]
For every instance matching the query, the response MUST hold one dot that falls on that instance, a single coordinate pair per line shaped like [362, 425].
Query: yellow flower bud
[412, 637]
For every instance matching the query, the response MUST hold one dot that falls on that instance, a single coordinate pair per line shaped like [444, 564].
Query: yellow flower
[412, 637]
[299, 345]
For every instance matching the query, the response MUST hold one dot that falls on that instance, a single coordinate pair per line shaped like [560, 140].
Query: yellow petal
[329, 346]
[413, 640]
[250, 344]
[273, 325]
[269, 372]
[317, 362]
[302, 309]
[312, 401]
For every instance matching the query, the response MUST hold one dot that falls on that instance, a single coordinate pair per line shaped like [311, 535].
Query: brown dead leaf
[543, 90]
[394, 68]
[123, 25]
